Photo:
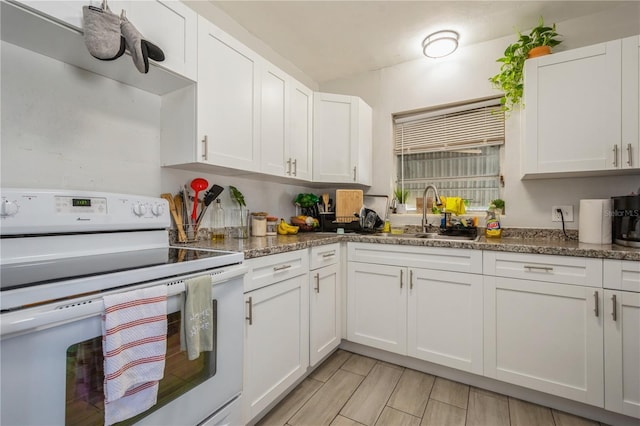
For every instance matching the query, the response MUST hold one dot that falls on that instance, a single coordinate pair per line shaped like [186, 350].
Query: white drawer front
[622, 275]
[267, 270]
[439, 258]
[540, 267]
[324, 255]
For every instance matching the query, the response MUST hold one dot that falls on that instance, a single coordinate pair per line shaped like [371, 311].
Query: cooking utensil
[325, 201]
[208, 198]
[185, 199]
[348, 204]
[198, 184]
[172, 208]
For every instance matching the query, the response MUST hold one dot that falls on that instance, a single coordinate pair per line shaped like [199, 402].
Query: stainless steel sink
[439, 237]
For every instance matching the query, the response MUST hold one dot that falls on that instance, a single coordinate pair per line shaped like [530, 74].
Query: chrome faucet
[424, 205]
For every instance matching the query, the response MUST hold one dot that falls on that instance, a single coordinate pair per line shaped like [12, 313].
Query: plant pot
[401, 208]
[539, 51]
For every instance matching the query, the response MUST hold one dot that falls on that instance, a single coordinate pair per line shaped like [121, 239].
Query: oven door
[51, 361]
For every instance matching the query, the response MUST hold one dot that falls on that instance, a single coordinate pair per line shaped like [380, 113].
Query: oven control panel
[38, 211]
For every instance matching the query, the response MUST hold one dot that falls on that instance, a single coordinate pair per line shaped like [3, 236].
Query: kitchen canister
[594, 225]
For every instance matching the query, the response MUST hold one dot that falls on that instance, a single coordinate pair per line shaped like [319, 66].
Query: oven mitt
[141, 50]
[102, 33]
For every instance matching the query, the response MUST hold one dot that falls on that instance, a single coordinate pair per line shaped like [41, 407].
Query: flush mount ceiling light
[440, 44]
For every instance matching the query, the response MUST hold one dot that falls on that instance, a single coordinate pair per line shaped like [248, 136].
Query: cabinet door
[622, 352]
[364, 149]
[172, 26]
[301, 130]
[70, 11]
[228, 100]
[334, 138]
[324, 312]
[377, 306]
[445, 318]
[276, 341]
[630, 147]
[572, 110]
[545, 336]
[273, 120]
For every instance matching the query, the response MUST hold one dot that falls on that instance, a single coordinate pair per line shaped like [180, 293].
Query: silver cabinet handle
[411, 279]
[539, 268]
[205, 147]
[614, 312]
[596, 308]
[250, 317]
[615, 155]
[280, 268]
[317, 287]
[330, 254]
[401, 277]
[355, 168]
[295, 167]
[629, 157]
[289, 166]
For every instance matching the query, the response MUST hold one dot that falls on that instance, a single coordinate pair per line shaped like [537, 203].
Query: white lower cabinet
[445, 318]
[545, 336]
[434, 315]
[276, 334]
[622, 337]
[324, 312]
[377, 306]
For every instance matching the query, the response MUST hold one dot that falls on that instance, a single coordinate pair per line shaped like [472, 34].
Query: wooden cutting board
[348, 202]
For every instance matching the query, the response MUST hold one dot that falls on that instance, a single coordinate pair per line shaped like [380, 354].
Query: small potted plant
[401, 197]
[509, 80]
[497, 205]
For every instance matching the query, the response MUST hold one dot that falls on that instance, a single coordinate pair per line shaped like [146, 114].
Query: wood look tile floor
[353, 390]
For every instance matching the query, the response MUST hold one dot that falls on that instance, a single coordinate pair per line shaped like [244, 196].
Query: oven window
[84, 392]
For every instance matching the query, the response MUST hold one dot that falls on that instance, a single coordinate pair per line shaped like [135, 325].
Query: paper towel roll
[594, 226]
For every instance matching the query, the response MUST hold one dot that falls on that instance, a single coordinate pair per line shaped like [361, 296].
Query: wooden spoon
[172, 208]
[325, 201]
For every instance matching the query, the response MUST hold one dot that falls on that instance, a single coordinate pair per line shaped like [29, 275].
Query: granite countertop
[263, 246]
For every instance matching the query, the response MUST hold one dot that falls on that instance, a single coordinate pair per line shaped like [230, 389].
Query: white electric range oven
[60, 253]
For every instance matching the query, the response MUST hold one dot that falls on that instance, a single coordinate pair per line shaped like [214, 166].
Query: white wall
[464, 76]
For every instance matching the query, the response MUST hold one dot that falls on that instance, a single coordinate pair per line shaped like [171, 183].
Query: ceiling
[328, 40]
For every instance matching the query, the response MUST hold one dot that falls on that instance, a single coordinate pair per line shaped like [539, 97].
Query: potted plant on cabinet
[509, 80]
[401, 196]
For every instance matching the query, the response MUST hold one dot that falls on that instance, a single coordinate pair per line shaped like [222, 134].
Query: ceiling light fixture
[440, 44]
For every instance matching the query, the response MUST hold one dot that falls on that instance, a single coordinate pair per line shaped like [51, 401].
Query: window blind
[453, 129]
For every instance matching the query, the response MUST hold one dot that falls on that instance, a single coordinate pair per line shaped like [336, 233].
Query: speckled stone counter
[263, 246]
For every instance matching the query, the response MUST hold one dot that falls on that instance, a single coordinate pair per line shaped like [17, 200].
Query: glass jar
[272, 225]
[258, 224]
[217, 222]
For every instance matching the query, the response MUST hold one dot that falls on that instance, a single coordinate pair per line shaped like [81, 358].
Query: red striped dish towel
[134, 345]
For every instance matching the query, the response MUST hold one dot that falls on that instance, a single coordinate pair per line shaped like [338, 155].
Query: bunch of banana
[285, 229]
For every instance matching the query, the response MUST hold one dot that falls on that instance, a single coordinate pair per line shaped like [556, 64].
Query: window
[455, 149]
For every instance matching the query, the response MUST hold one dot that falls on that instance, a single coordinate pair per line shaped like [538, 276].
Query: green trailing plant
[401, 195]
[510, 78]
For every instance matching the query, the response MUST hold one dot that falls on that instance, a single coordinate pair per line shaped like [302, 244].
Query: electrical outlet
[567, 212]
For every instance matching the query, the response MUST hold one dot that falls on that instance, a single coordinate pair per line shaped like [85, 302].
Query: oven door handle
[48, 316]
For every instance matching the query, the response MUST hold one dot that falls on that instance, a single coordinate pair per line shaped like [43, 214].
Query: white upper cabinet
[300, 148]
[630, 147]
[581, 111]
[342, 139]
[228, 100]
[285, 125]
[169, 24]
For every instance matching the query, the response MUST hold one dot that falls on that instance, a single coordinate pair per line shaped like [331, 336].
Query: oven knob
[8, 208]
[139, 209]
[157, 210]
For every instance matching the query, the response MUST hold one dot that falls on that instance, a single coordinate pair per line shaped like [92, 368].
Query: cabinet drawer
[443, 259]
[324, 255]
[622, 275]
[267, 270]
[539, 267]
